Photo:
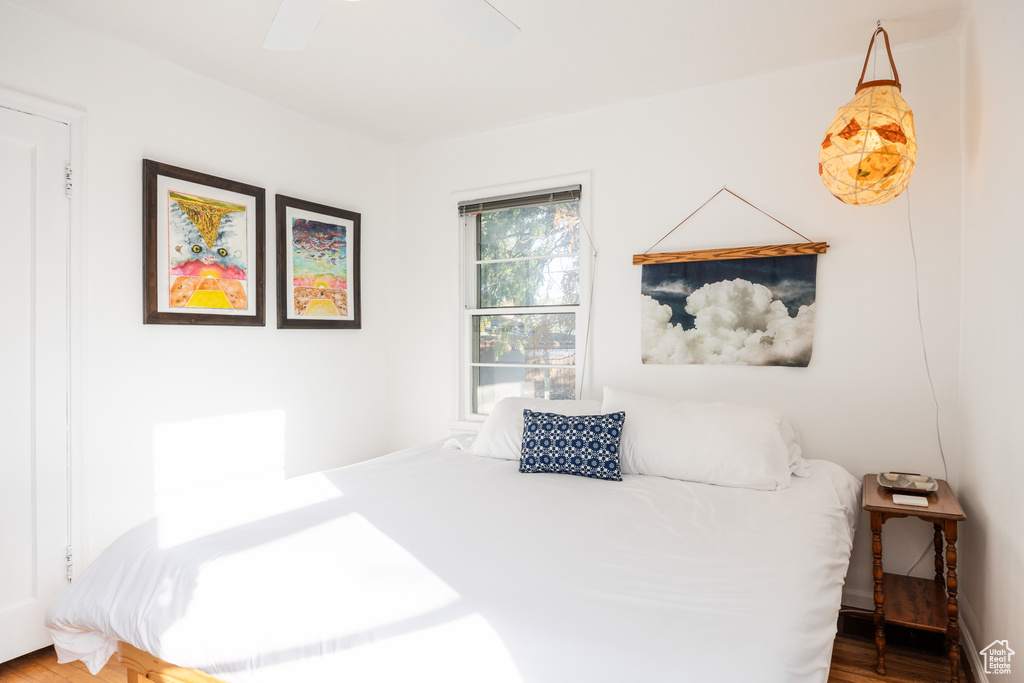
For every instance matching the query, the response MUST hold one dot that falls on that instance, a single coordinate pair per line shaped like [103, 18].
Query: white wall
[258, 399]
[864, 401]
[991, 373]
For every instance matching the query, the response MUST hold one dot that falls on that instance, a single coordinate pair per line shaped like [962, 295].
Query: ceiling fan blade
[478, 19]
[294, 24]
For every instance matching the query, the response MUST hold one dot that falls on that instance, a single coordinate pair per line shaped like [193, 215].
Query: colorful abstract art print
[317, 265]
[203, 241]
[745, 311]
[207, 253]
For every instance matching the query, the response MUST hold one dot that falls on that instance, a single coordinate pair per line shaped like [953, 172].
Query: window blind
[510, 201]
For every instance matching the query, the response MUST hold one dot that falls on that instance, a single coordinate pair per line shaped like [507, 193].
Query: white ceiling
[395, 71]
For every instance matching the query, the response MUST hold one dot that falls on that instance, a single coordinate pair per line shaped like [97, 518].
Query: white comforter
[438, 565]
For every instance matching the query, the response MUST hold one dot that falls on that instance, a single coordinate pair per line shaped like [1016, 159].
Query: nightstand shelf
[915, 602]
[927, 604]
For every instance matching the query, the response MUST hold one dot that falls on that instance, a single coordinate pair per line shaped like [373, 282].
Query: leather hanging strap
[895, 76]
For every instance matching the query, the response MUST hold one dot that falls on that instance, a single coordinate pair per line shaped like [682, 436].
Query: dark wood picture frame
[156, 221]
[346, 300]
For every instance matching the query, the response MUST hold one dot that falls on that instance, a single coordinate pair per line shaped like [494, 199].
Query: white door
[34, 219]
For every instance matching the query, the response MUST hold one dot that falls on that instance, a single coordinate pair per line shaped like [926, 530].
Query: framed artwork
[317, 266]
[741, 311]
[203, 247]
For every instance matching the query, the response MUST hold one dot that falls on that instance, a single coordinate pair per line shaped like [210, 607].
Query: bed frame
[143, 666]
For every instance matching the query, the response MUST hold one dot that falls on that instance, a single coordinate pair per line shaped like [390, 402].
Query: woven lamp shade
[868, 154]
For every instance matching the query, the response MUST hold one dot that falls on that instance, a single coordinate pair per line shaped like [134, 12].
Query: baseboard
[859, 598]
[971, 654]
[855, 620]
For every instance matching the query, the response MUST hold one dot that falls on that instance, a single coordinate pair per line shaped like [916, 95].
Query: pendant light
[868, 152]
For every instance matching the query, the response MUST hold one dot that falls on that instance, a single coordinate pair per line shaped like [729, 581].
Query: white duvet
[439, 565]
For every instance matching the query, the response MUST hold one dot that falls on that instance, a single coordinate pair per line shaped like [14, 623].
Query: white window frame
[465, 420]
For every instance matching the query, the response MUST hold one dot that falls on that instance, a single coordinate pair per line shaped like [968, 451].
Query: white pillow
[713, 443]
[501, 435]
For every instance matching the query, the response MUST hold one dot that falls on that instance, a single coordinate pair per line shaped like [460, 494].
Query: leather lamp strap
[895, 76]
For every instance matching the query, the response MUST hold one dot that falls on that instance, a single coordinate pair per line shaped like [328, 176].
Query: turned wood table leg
[939, 567]
[876, 551]
[953, 630]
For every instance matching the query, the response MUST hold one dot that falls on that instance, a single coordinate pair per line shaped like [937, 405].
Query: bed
[441, 564]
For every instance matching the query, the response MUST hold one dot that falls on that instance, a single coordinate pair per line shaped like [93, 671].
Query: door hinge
[70, 566]
[67, 181]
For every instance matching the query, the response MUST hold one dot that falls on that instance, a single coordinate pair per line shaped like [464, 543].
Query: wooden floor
[42, 667]
[853, 661]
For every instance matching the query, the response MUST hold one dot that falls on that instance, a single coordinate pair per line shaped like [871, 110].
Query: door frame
[75, 119]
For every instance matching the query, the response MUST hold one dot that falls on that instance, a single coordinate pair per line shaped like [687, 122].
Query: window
[522, 304]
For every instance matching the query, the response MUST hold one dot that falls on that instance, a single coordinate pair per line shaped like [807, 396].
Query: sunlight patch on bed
[191, 519]
[344, 582]
[463, 649]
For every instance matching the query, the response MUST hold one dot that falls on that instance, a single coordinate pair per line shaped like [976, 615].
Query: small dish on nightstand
[905, 482]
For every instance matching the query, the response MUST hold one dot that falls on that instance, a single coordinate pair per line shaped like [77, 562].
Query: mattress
[433, 564]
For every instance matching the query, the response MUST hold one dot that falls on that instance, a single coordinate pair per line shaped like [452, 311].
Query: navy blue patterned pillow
[585, 445]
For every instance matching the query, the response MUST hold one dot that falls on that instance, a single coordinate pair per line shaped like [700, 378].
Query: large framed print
[203, 247]
[317, 266]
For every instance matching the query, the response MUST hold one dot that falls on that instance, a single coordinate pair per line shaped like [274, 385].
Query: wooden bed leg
[143, 667]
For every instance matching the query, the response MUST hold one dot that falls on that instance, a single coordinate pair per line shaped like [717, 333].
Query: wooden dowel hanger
[736, 252]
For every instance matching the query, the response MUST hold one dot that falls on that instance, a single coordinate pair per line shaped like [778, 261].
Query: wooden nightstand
[928, 604]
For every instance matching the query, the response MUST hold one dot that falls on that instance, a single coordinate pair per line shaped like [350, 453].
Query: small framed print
[203, 247]
[317, 266]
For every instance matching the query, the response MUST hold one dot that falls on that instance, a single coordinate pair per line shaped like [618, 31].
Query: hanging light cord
[927, 365]
[590, 301]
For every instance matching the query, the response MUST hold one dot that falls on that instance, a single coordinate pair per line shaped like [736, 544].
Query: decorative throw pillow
[584, 445]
